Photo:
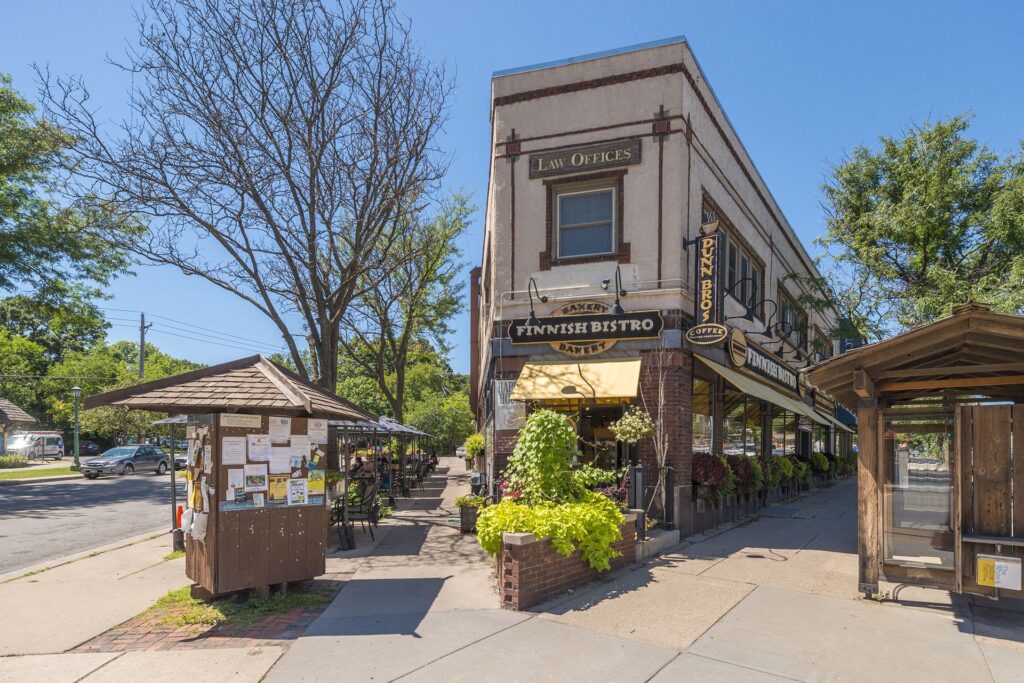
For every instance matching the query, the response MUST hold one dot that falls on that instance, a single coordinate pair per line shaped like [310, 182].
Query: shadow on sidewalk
[368, 607]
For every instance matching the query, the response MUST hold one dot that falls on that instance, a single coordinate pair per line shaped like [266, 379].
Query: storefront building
[634, 256]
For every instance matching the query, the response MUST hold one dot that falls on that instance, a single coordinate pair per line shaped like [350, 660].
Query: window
[743, 275]
[821, 343]
[586, 223]
[742, 424]
[796, 321]
[784, 429]
[703, 414]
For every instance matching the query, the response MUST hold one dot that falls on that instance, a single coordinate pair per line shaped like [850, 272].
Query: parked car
[86, 449]
[37, 445]
[127, 460]
[180, 460]
[460, 452]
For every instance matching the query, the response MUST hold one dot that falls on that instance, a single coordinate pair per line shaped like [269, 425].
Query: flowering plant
[749, 476]
[714, 473]
[634, 425]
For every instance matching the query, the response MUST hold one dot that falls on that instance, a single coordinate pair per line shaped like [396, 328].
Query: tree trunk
[327, 357]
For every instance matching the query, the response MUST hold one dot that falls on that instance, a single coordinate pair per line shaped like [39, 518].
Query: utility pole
[142, 345]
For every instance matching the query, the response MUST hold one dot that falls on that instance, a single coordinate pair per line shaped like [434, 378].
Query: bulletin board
[257, 500]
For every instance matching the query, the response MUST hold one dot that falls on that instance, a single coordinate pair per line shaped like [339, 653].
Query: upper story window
[586, 222]
[795, 319]
[744, 276]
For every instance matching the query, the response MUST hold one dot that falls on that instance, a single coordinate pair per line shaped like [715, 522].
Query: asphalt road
[49, 520]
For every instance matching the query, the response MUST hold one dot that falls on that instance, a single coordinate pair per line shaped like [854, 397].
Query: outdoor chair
[367, 511]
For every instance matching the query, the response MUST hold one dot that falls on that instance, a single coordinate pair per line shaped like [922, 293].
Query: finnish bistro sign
[586, 333]
[587, 158]
[708, 327]
[752, 359]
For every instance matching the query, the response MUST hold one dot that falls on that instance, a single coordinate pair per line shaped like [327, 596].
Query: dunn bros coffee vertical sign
[707, 327]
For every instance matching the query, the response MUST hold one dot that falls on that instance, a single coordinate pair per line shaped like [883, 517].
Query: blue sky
[802, 82]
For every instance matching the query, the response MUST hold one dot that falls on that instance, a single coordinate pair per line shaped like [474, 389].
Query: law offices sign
[585, 158]
[586, 328]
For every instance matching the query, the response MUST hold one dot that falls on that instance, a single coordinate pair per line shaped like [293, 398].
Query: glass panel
[755, 409]
[702, 415]
[589, 207]
[778, 431]
[918, 490]
[595, 239]
[734, 423]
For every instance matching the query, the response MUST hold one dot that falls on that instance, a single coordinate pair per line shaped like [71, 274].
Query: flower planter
[467, 519]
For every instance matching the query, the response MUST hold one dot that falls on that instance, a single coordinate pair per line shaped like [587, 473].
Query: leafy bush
[11, 460]
[474, 445]
[589, 476]
[713, 472]
[542, 495]
[820, 463]
[472, 501]
[784, 467]
[539, 468]
[590, 525]
[634, 425]
[801, 470]
[749, 476]
[769, 473]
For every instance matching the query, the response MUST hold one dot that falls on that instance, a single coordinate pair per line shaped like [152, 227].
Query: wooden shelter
[940, 426]
[11, 415]
[256, 470]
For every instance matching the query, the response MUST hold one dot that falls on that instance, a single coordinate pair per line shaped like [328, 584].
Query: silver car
[127, 460]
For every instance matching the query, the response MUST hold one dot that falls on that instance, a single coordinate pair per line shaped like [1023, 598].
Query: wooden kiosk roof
[252, 385]
[973, 355]
[12, 414]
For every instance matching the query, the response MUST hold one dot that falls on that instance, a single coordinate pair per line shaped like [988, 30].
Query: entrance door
[991, 505]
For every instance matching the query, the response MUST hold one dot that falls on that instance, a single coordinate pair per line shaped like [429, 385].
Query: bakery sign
[752, 359]
[587, 158]
[586, 328]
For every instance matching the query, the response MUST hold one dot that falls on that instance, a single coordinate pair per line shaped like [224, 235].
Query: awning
[749, 385]
[836, 423]
[613, 378]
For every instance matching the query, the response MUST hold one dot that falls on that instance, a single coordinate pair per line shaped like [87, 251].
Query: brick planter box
[531, 571]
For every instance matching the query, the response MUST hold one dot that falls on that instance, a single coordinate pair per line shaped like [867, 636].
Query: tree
[448, 419]
[929, 220]
[20, 359]
[43, 246]
[67, 322]
[273, 146]
[409, 298]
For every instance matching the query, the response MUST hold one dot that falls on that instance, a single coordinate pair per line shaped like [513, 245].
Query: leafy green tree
[69, 322]
[449, 419]
[408, 301]
[20, 359]
[43, 245]
[926, 221]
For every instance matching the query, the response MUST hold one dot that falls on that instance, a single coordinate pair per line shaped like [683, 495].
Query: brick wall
[530, 571]
[674, 369]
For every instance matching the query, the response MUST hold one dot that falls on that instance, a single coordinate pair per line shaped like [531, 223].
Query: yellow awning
[613, 378]
[749, 385]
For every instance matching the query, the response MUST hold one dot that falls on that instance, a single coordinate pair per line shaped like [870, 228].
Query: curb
[39, 480]
[84, 554]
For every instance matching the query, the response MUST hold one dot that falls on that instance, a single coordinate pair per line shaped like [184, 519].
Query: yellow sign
[996, 571]
[316, 482]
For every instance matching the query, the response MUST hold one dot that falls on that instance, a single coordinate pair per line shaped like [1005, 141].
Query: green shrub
[820, 463]
[539, 469]
[749, 476]
[474, 445]
[784, 467]
[472, 501]
[588, 476]
[590, 525]
[801, 471]
[11, 461]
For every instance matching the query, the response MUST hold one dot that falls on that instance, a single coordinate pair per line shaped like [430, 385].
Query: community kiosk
[940, 466]
[257, 458]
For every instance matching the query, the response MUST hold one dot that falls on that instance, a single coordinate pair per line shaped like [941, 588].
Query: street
[43, 521]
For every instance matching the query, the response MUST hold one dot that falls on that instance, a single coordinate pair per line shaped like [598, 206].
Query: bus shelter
[940, 430]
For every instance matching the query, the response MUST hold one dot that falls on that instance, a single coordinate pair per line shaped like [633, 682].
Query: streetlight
[77, 393]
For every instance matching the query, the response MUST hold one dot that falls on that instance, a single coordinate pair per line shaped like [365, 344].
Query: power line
[190, 327]
[211, 341]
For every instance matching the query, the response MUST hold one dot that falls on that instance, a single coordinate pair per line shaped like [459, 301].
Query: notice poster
[277, 493]
[300, 444]
[281, 460]
[316, 482]
[246, 421]
[232, 450]
[298, 491]
[258, 500]
[236, 482]
[296, 461]
[280, 430]
[316, 457]
[317, 430]
[259, 447]
[255, 477]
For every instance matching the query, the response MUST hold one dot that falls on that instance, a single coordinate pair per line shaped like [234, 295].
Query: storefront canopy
[751, 386]
[617, 378]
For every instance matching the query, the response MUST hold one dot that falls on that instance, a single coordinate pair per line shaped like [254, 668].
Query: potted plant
[469, 510]
[712, 477]
[475, 445]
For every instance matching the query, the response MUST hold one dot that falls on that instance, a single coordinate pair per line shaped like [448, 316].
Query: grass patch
[174, 555]
[179, 608]
[11, 461]
[31, 474]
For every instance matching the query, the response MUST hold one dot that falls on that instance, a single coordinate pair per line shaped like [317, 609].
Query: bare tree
[410, 297]
[659, 363]
[272, 144]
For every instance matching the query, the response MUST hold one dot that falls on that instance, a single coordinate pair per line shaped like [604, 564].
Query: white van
[37, 445]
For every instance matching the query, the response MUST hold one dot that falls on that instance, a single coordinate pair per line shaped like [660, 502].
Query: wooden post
[868, 494]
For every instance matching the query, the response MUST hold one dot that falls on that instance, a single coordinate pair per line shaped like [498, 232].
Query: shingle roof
[11, 414]
[253, 385]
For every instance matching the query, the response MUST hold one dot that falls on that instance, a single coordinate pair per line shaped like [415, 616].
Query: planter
[467, 519]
